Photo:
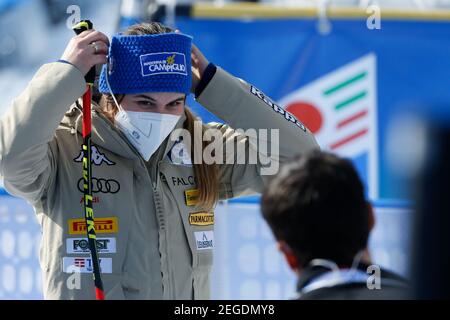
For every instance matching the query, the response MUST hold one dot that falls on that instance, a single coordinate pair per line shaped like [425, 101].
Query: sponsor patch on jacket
[179, 154]
[97, 158]
[287, 116]
[204, 240]
[163, 63]
[84, 265]
[81, 245]
[191, 197]
[101, 185]
[102, 225]
[201, 218]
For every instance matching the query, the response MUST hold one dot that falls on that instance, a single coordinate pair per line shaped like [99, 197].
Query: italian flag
[340, 110]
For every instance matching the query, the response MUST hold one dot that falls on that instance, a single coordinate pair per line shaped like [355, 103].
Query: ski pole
[87, 170]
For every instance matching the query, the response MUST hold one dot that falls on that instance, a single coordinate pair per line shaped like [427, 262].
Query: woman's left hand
[199, 64]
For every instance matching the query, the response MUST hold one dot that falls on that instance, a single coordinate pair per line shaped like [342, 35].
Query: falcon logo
[97, 158]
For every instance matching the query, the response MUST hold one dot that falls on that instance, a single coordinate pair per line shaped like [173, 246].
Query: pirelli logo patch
[191, 197]
[102, 225]
[201, 218]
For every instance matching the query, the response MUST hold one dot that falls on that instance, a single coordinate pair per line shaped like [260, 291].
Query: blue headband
[148, 63]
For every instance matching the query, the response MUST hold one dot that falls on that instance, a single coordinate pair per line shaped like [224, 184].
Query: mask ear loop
[109, 87]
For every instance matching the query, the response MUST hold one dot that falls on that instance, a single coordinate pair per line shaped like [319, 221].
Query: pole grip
[81, 26]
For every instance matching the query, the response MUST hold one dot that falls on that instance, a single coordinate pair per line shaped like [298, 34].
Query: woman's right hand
[82, 53]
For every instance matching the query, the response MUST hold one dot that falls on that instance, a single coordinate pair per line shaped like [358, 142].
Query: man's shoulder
[389, 286]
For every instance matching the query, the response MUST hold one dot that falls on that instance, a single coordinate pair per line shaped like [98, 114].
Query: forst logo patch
[81, 245]
[102, 225]
[163, 63]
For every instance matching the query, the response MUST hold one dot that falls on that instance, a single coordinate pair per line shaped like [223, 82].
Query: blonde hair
[206, 175]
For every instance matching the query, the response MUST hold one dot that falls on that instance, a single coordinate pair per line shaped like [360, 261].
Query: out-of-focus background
[364, 76]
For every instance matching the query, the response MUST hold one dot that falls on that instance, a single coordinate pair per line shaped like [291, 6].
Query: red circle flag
[308, 114]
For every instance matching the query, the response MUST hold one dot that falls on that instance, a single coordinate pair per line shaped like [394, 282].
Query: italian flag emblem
[340, 110]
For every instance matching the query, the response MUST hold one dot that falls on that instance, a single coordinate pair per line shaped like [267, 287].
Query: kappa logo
[97, 158]
[288, 116]
[201, 218]
[100, 185]
[204, 240]
[102, 225]
[81, 245]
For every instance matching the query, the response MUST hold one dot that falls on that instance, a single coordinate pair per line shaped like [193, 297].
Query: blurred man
[318, 213]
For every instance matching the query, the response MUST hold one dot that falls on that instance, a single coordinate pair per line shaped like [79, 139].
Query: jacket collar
[310, 273]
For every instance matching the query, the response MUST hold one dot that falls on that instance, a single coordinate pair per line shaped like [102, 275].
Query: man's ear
[371, 216]
[288, 255]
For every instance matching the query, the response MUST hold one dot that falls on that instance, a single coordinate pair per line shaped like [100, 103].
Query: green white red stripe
[340, 109]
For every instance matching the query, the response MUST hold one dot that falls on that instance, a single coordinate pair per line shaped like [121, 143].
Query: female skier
[156, 178]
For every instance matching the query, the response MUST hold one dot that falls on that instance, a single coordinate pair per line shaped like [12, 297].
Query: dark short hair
[316, 204]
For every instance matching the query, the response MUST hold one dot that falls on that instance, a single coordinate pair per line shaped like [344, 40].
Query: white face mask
[145, 130]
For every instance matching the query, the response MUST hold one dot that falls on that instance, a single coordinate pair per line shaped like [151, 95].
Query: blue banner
[345, 86]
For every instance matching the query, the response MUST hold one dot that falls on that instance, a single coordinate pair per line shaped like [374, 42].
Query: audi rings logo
[101, 185]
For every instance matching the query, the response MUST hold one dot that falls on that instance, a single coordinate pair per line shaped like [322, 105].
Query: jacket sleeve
[28, 150]
[267, 133]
